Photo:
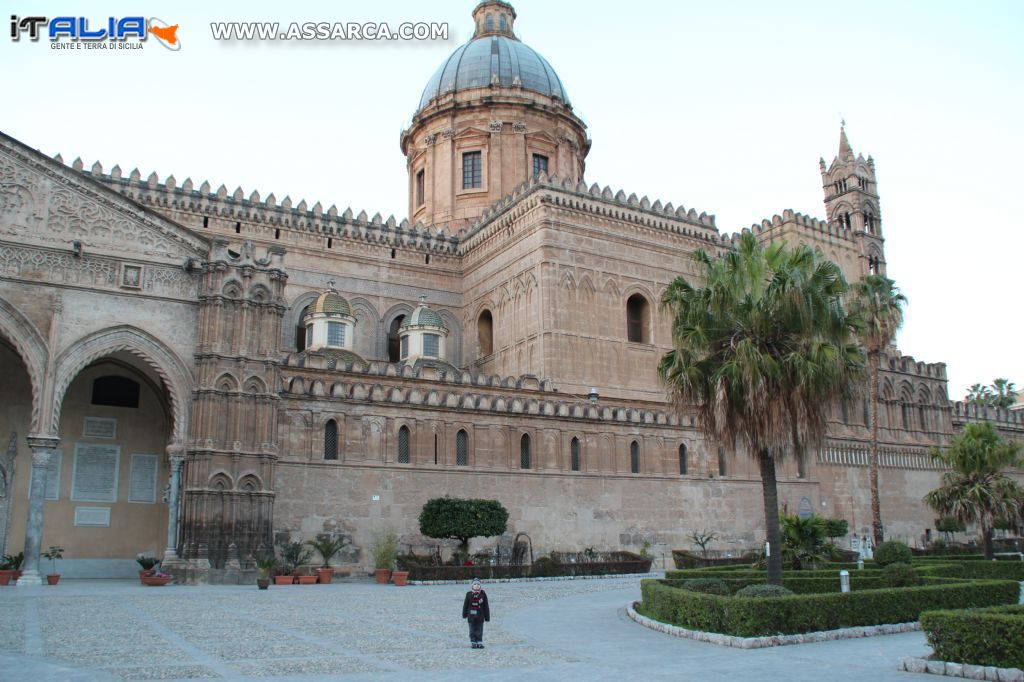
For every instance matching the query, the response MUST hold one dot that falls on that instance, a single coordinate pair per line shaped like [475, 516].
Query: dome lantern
[423, 334]
[329, 322]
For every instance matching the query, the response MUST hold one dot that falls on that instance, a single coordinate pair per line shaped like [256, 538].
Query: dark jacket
[485, 607]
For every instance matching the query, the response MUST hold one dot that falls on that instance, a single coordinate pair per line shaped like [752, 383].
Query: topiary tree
[892, 552]
[948, 525]
[459, 519]
[836, 528]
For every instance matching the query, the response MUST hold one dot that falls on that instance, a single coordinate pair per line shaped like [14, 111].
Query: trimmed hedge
[984, 637]
[620, 563]
[752, 617]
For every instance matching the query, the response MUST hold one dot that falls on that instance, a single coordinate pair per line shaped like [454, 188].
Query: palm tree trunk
[876, 507]
[986, 539]
[770, 493]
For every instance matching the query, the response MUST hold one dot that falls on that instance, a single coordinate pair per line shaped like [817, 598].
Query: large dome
[494, 57]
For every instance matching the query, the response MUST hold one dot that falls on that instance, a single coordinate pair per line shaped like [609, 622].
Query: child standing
[477, 611]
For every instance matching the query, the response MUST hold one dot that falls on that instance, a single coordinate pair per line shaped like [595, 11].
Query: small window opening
[394, 343]
[574, 454]
[634, 457]
[238, 228]
[277, 233]
[330, 243]
[485, 333]
[392, 253]
[427, 259]
[403, 445]
[682, 459]
[461, 449]
[637, 319]
[331, 440]
[206, 221]
[524, 452]
[115, 391]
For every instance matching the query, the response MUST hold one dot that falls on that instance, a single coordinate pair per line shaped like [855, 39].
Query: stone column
[176, 455]
[42, 450]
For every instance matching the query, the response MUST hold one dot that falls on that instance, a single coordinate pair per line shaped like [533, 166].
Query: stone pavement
[110, 630]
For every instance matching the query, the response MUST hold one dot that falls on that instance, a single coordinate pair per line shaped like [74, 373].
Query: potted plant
[327, 548]
[13, 563]
[385, 549]
[293, 555]
[400, 578]
[148, 564]
[53, 553]
[156, 579]
[6, 572]
[265, 564]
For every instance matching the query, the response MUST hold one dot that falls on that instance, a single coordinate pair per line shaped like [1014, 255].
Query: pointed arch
[293, 317]
[165, 362]
[31, 347]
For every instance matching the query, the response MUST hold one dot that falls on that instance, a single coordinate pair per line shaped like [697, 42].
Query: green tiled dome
[423, 315]
[330, 303]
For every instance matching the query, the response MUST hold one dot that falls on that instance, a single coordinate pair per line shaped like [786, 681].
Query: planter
[400, 577]
[53, 578]
[283, 579]
[144, 573]
[6, 576]
[307, 580]
[155, 581]
[324, 575]
[383, 575]
[263, 583]
[17, 574]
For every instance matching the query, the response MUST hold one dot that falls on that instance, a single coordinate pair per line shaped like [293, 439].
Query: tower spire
[844, 143]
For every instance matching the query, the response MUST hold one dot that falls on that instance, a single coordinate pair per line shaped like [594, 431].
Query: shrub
[991, 637]
[891, 552]
[812, 612]
[544, 567]
[836, 528]
[764, 591]
[900, 575]
[706, 586]
[458, 519]
[385, 550]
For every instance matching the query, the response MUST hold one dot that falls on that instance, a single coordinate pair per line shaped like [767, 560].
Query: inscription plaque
[142, 480]
[53, 475]
[99, 427]
[92, 516]
[94, 476]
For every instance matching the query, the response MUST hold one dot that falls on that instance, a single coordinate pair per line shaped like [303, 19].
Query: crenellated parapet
[595, 200]
[1010, 422]
[267, 212]
[811, 226]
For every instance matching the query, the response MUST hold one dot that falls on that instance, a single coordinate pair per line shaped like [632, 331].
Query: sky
[725, 107]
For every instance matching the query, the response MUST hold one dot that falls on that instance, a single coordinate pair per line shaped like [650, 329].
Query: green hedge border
[753, 617]
[991, 637]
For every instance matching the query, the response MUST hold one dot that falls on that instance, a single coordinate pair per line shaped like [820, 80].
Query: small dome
[330, 303]
[423, 316]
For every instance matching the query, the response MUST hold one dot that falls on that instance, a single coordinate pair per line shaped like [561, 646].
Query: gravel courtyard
[110, 630]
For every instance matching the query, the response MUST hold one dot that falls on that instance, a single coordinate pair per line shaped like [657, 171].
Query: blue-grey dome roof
[491, 58]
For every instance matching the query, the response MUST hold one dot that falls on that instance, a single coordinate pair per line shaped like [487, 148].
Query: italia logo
[81, 29]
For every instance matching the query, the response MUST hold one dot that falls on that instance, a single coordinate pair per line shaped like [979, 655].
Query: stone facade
[543, 393]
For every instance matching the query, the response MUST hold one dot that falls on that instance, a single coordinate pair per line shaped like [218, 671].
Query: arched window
[403, 445]
[922, 418]
[574, 454]
[682, 459]
[634, 457]
[394, 343]
[905, 414]
[300, 330]
[462, 448]
[490, 23]
[331, 439]
[524, 451]
[501, 22]
[638, 319]
[485, 333]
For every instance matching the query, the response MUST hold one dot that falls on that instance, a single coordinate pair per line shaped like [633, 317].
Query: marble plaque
[99, 427]
[94, 476]
[53, 475]
[142, 481]
[92, 516]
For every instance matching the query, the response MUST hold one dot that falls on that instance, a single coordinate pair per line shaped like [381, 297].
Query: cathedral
[196, 373]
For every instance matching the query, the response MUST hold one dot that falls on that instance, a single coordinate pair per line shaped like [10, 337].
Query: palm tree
[979, 395]
[761, 349]
[877, 307]
[977, 489]
[1004, 393]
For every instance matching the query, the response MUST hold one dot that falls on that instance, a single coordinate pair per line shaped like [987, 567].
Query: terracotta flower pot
[53, 578]
[307, 580]
[263, 583]
[324, 575]
[17, 574]
[400, 577]
[6, 576]
[283, 579]
[156, 581]
[143, 573]
[383, 575]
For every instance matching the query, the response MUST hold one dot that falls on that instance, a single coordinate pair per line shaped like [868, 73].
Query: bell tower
[851, 202]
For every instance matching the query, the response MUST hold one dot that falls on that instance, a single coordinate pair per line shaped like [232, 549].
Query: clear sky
[720, 106]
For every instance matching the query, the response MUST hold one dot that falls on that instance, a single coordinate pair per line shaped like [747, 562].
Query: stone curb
[535, 580]
[965, 670]
[771, 640]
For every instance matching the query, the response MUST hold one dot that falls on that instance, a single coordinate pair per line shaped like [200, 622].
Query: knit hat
[476, 582]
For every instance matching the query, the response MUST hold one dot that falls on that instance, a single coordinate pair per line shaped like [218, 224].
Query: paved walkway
[111, 630]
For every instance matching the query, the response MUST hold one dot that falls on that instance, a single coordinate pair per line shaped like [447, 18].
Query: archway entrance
[105, 502]
[15, 456]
